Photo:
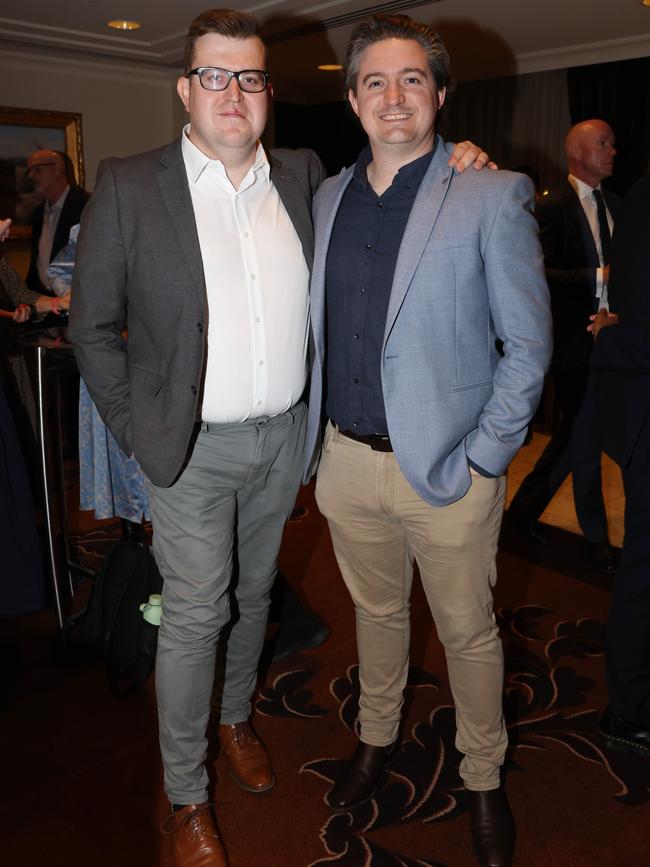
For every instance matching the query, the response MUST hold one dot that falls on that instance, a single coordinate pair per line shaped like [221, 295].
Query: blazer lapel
[326, 206]
[172, 181]
[433, 189]
[296, 205]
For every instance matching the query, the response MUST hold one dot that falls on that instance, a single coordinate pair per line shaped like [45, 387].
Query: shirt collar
[582, 190]
[50, 209]
[196, 161]
[409, 175]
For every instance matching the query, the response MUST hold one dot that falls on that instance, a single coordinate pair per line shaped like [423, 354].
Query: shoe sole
[387, 767]
[623, 745]
[254, 790]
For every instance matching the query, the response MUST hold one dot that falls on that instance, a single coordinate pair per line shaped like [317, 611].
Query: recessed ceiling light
[333, 67]
[124, 25]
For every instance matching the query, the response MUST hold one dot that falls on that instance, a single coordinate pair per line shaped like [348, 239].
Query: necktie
[603, 226]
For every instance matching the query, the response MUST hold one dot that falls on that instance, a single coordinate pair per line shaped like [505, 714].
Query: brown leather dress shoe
[493, 828]
[195, 839]
[359, 780]
[250, 764]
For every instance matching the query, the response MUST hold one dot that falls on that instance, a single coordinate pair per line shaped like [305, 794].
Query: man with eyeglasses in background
[202, 250]
[63, 201]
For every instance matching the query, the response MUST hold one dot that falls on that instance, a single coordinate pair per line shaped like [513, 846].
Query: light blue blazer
[469, 271]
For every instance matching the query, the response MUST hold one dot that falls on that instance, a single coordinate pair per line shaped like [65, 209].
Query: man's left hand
[466, 154]
[601, 320]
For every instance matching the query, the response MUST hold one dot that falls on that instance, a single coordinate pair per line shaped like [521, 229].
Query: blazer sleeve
[557, 236]
[520, 310]
[622, 348]
[98, 308]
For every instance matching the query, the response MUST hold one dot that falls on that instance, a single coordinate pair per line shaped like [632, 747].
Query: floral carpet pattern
[547, 700]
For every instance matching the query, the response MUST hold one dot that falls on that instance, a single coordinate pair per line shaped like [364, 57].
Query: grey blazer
[139, 268]
[469, 271]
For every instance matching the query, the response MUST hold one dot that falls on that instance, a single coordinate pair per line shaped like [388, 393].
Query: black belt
[377, 442]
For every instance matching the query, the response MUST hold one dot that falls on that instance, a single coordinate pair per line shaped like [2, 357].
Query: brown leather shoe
[250, 764]
[361, 776]
[493, 828]
[195, 840]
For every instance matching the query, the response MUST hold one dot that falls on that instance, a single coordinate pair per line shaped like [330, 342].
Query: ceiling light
[124, 25]
[334, 67]
[646, 2]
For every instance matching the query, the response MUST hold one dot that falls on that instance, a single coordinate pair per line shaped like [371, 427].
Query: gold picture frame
[22, 131]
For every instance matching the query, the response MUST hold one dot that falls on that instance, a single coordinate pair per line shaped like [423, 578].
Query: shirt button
[252, 276]
[193, 389]
[380, 204]
[355, 424]
[245, 234]
[368, 246]
[355, 380]
[261, 363]
[363, 291]
[259, 403]
[257, 319]
[199, 325]
[356, 336]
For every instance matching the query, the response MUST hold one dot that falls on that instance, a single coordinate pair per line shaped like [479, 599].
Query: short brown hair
[378, 27]
[227, 22]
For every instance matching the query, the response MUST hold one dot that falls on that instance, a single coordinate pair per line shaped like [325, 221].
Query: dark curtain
[619, 93]
[330, 129]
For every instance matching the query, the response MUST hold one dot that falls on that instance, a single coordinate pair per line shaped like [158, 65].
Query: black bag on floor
[113, 626]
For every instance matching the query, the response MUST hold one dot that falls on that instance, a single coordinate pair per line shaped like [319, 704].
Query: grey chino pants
[230, 504]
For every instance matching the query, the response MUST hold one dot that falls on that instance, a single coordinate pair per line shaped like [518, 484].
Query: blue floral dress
[109, 482]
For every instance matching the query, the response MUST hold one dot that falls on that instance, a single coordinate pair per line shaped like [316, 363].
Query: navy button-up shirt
[361, 261]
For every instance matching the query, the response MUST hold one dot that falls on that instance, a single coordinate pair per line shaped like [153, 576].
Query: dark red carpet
[82, 782]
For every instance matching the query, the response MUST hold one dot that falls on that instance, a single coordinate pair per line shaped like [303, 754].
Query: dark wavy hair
[379, 27]
[226, 22]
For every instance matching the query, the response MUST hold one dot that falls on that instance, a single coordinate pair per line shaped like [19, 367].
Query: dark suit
[571, 259]
[70, 215]
[621, 357]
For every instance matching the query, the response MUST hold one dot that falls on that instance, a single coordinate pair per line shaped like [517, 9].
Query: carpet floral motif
[547, 702]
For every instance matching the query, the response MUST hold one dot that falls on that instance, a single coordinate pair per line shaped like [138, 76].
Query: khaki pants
[379, 525]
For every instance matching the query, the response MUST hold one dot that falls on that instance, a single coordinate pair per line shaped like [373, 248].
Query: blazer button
[193, 389]
[199, 325]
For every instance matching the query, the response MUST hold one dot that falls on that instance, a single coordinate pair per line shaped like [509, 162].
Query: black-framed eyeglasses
[214, 78]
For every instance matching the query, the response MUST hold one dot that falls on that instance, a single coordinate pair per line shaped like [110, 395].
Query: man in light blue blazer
[418, 271]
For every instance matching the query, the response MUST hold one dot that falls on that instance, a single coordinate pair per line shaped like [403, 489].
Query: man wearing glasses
[63, 202]
[202, 251]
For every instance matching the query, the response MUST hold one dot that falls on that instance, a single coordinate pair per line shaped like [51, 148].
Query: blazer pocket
[436, 244]
[146, 381]
[484, 383]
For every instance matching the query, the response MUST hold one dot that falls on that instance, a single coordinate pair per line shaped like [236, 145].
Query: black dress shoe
[627, 737]
[303, 633]
[528, 527]
[604, 556]
[358, 782]
[493, 828]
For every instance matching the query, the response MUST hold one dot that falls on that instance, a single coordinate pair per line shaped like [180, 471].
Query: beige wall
[125, 109]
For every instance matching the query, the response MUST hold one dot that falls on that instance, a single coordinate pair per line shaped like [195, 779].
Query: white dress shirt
[585, 194]
[257, 285]
[51, 214]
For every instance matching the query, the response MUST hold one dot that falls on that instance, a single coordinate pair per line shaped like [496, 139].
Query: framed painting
[23, 131]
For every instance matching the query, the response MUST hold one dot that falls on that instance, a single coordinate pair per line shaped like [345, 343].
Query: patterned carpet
[86, 765]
